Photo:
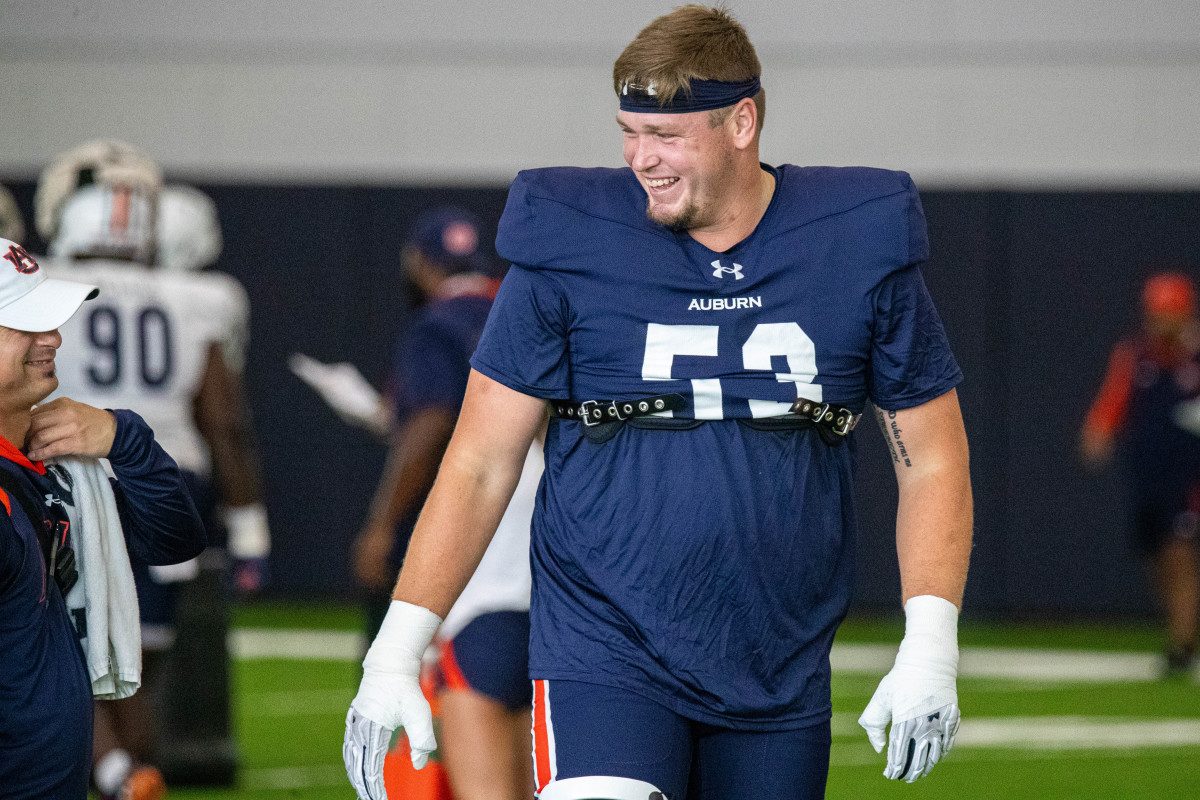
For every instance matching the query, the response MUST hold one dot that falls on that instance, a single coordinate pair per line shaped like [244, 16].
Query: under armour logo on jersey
[21, 259]
[719, 271]
[54, 500]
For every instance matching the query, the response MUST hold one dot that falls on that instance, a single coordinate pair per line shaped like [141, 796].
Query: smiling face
[684, 164]
[26, 368]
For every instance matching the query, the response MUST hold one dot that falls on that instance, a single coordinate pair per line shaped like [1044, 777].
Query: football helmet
[189, 233]
[107, 221]
[12, 227]
[105, 162]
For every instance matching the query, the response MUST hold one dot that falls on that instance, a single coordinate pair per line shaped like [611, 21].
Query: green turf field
[1042, 735]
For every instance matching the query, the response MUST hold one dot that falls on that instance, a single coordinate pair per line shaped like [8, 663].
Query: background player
[170, 343]
[689, 572]
[12, 225]
[1147, 410]
[484, 691]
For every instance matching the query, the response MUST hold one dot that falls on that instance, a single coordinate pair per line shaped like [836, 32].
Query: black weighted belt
[603, 418]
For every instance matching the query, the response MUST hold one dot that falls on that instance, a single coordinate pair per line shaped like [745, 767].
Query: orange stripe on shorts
[541, 737]
[452, 673]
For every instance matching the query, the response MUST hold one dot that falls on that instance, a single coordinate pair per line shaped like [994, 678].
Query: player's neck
[14, 426]
[742, 215]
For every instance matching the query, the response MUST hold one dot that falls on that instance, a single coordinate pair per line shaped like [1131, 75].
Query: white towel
[113, 645]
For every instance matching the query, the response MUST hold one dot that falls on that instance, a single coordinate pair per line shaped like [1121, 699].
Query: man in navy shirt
[707, 329]
[444, 266]
[484, 688]
[45, 688]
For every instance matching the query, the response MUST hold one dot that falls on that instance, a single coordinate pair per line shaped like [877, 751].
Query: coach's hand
[390, 697]
[64, 427]
[918, 696]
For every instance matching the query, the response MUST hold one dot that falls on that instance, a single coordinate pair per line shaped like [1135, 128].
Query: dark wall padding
[1034, 288]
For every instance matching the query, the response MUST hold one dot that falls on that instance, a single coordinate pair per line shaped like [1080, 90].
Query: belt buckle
[585, 413]
[622, 410]
[846, 424]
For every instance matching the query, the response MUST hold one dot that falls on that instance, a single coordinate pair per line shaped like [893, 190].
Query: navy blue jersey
[431, 370]
[45, 692]
[433, 359]
[707, 568]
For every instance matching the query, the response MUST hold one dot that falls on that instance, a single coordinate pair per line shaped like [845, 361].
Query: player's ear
[743, 121]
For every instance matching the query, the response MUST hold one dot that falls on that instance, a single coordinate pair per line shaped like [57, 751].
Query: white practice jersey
[501, 582]
[143, 344]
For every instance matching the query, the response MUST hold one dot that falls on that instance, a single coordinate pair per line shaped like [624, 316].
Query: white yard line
[247, 644]
[853, 755]
[300, 703]
[1057, 733]
[312, 777]
[1017, 664]
[1077, 733]
[983, 739]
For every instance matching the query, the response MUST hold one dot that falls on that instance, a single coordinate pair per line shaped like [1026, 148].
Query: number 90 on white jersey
[144, 344]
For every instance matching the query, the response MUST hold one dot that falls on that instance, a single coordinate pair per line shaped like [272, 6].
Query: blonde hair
[693, 42]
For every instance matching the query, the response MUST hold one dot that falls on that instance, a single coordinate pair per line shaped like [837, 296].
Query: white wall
[1055, 93]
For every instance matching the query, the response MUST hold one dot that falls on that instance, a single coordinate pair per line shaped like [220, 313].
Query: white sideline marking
[1077, 733]
[325, 775]
[1056, 733]
[247, 644]
[1022, 664]
[301, 703]
[984, 739]
[1018, 664]
[854, 755]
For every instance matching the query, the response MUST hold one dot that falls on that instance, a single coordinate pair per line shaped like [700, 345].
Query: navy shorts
[1158, 521]
[582, 729]
[490, 656]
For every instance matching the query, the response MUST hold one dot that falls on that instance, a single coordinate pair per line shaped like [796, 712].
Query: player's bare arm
[411, 466]
[222, 419]
[934, 516]
[222, 416]
[919, 696]
[479, 472]
[881, 418]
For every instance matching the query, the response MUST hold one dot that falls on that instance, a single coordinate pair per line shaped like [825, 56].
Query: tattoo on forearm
[891, 434]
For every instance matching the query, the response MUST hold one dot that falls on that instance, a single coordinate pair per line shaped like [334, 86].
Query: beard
[680, 222]
[701, 207]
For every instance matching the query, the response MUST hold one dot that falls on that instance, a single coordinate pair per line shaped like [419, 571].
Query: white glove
[344, 389]
[918, 696]
[248, 545]
[1186, 415]
[390, 697]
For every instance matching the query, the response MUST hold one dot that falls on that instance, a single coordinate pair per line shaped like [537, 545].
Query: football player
[169, 342]
[12, 226]
[1146, 411]
[706, 330]
[483, 673]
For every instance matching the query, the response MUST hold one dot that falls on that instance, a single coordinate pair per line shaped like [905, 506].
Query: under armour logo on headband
[638, 88]
[698, 95]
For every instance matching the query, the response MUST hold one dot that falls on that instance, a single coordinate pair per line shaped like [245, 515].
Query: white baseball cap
[30, 301]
